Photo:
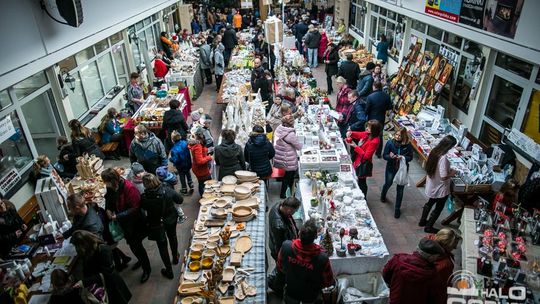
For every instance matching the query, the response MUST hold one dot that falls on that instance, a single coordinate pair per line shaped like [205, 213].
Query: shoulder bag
[364, 169]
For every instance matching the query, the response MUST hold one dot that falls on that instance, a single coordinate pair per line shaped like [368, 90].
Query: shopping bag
[116, 231]
[450, 205]
[401, 178]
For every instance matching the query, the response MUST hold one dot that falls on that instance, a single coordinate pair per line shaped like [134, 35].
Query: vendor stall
[185, 68]
[226, 259]
[328, 188]
[498, 252]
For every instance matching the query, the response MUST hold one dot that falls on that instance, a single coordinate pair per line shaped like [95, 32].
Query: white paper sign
[6, 129]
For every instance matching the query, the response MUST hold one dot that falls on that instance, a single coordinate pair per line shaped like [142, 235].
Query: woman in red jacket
[199, 154]
[368, 141]
[123, 204]
[444, 266]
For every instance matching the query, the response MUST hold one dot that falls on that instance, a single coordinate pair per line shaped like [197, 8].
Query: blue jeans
[312, 57]
[388, 180]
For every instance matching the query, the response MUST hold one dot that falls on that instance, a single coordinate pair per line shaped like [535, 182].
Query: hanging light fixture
[67, 79]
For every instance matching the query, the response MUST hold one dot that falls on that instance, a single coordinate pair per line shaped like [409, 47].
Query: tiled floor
[400, 235]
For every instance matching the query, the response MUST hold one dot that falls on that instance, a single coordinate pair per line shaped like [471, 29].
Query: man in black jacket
[84, 217]
[229, 41]
[378, 102]
[300, 30]
[350, 71]
[331, 58]
[282, 228]
[312, 40]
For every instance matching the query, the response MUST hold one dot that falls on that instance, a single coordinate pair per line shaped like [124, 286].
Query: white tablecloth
[350, 264]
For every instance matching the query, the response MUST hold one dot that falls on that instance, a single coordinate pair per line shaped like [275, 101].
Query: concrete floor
[400, 235]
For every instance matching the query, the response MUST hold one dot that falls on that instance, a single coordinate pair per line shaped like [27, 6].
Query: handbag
[95, 293]
[157, 232]
[116, 231]
[364, 169]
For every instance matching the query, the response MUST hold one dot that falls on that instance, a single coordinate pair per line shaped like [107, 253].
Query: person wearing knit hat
[412, 277]
[135, 176]
[196, 115]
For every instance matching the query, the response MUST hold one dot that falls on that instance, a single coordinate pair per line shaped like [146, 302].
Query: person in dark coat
[147, 149]
[122, 203]
[85, 217]
[83, 141]
[350, 71]
[331, 58]
[181, 159]
[365, 83]
[66, 157]
[412, 277]
[306, 267]
[282, 228]
[158, 201]
[258, 153]
[394, 150]
[377, 104]
[229, 41]
[229, 155]
[300, 29]
[97, 264]
[356, 119]
[173, 120]
[12, 226]
[312, 41]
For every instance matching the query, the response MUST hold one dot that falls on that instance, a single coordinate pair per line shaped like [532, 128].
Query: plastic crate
[371, 285]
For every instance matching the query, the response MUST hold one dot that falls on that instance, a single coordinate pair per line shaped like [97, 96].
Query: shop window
[381, 29]
[68, 63]
[489, 135]
[41, 117]
[531, 122]
[514, 65]
[106, 70]
[391, 15]
[147, 21]
[419, 26]
[138, 25]
[119, 63]
[14, 150]
[116, 38]
[453, 40]
[373, 27]
[77, 98]
[91, 83]
[435, 32]
[472, 48]
[150, 40]
[464, 82]
[503, 101]
[5, 100]
[382, 11]
[102, 45]
[136, 54]
[30, 85]
[432, 47]
[85, 55]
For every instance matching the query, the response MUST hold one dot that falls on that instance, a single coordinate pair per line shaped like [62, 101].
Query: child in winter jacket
[201, 159]
[181, 159]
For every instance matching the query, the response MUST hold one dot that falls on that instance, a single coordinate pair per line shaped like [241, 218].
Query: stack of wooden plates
[246, 176]
[229, 180]
[227, 189]
[218, 213]
[243, 214]
[242, 193]
[252, 202]
[254, 187]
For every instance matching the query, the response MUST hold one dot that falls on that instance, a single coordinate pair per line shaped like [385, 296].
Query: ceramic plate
[229, 180]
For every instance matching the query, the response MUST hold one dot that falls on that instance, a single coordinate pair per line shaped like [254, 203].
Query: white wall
[525, 45]
[32, 41]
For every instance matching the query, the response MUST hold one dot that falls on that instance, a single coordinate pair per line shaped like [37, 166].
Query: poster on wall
[446, 9]
[495, 16]
[502, 16]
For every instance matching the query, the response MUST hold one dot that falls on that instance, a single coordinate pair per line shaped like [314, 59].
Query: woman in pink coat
[323, 44]
[286, 144]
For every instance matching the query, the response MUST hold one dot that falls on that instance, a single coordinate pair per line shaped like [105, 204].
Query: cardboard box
[273, 30]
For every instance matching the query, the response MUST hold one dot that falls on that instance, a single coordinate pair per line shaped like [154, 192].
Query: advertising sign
[446, 9]
[495, 16]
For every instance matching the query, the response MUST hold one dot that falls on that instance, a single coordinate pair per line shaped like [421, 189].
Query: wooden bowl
[211, 245]
[209, 253]
[218, 213]
[197, 247]
[207, 263]
[242, 211]
[221, 203]
[229, 180]
[195, 266]
[195, 255]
